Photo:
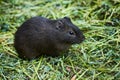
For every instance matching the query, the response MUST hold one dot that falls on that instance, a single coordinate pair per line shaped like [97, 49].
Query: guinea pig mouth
[79, 40]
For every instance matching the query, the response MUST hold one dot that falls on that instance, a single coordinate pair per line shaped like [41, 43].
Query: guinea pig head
[68, 32]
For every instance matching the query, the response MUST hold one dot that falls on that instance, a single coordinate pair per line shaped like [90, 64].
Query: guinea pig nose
[83, 38]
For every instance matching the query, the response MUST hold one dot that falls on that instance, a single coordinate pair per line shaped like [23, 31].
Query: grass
[97, 58]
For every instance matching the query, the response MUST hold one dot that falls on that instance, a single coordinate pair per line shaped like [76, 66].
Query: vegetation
[97, 58]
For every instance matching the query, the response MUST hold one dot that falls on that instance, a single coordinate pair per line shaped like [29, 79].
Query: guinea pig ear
[60, 25]
[67, 18]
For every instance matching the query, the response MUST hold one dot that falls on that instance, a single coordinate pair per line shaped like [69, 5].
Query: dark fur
[40, 36]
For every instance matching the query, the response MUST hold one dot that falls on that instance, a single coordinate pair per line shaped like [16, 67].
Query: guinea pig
[41, 36]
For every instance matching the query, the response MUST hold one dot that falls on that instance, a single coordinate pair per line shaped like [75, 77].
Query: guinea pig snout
[82, 37]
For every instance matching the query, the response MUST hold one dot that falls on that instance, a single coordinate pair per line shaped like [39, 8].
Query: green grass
[97, 58]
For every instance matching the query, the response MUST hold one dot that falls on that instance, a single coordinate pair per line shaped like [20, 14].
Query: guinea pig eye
[71, 33]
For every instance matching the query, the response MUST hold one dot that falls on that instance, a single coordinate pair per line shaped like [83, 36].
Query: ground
[97, 58]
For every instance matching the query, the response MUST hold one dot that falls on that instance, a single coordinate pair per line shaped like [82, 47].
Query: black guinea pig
[41, 36]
